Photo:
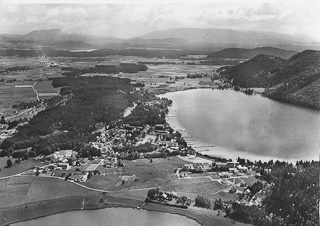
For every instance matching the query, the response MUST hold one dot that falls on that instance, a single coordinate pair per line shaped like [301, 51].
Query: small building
[64, 166]
[224, 175]
[159, 127]
[242, 168]
[232, 164]
[184, 174]
[233, 170]
[188, 166]
[267, 170]
[221, 165]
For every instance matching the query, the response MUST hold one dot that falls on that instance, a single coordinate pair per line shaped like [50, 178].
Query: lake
[252, 127]
[111, 217]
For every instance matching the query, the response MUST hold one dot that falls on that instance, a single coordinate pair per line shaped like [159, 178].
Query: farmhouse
[242, 168]
[64, 166]
[221, 165]
[188, 166]
[232, 164]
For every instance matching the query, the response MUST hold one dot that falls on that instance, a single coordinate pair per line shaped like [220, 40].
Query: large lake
[111, 217]
[237, 124]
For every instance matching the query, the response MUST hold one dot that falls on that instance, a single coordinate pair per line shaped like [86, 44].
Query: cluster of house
[224, 169]
[49, 64]
[66, 159]
[5, 133]
[123, 135]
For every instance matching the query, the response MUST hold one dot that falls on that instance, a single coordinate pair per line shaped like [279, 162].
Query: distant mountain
[167, 41]
[53, 35]
[299, 80]
[256, 72]
[242, 53]
[55, 38]
[195, 40]
[226, 36]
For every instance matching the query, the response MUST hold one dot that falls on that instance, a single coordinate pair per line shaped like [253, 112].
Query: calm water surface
[111, 217]
[245, 126]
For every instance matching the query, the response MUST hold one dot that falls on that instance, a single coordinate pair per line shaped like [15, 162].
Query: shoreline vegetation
[46, 208]
[31, 211]
[73, 94]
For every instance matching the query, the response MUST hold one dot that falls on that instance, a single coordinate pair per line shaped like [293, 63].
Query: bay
[246, 126]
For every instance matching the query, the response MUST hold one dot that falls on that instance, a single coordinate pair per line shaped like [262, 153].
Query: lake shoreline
[204, 147]
[38, 211]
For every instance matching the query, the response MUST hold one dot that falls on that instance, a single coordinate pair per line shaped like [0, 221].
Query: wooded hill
[256, 72]
[296, 80]
[242, 53]
[299, 80]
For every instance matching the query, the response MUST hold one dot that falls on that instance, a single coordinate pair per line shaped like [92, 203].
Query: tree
[32, 154]
[3, 120]
[218, 204]
[9, 163]
[153, 193]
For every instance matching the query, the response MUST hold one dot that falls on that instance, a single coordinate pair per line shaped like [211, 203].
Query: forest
[69, 123]
[291, 196]
[123, 67]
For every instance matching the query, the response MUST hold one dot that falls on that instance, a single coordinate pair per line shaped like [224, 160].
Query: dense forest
[242, 53]
[155, 114]
[295, 80]
[70, 122]
[256, 72]
[290, 197]
[123, 67]
[300, 79]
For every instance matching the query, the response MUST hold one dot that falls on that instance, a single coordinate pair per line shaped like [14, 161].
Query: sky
[127, 19]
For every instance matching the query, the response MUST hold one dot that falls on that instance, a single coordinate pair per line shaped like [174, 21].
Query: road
[35, 89]
[21, 113]
[25, 111]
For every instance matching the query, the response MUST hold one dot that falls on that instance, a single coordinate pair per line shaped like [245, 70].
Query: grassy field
[46, 87]
[30, 211]
[16, 168]
[11, 95]
[28, 189]
[160, 173]
[152, 81]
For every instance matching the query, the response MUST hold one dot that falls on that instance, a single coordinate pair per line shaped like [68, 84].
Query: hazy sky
[127, 19]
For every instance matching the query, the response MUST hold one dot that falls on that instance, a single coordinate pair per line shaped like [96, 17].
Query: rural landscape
[97, 123]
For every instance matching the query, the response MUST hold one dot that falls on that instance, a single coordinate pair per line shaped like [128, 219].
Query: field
[28, 189]
[152, 80]
[31, 196]
[11, 95]
[160, 173]
[21, 90]
[16, 168]
[14, 95]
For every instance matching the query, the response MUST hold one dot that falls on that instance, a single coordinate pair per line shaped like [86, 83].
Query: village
[121, 143]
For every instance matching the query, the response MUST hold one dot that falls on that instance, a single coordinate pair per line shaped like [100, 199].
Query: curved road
[35, 89]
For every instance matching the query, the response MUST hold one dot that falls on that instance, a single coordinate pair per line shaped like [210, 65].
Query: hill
[256, 72]
[299, 80]
[225, 36]
[55, 38]
[242, 53]
[296, 80]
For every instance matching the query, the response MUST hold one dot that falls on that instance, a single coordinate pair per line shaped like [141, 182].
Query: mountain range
[226, 36]
[172, 38]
